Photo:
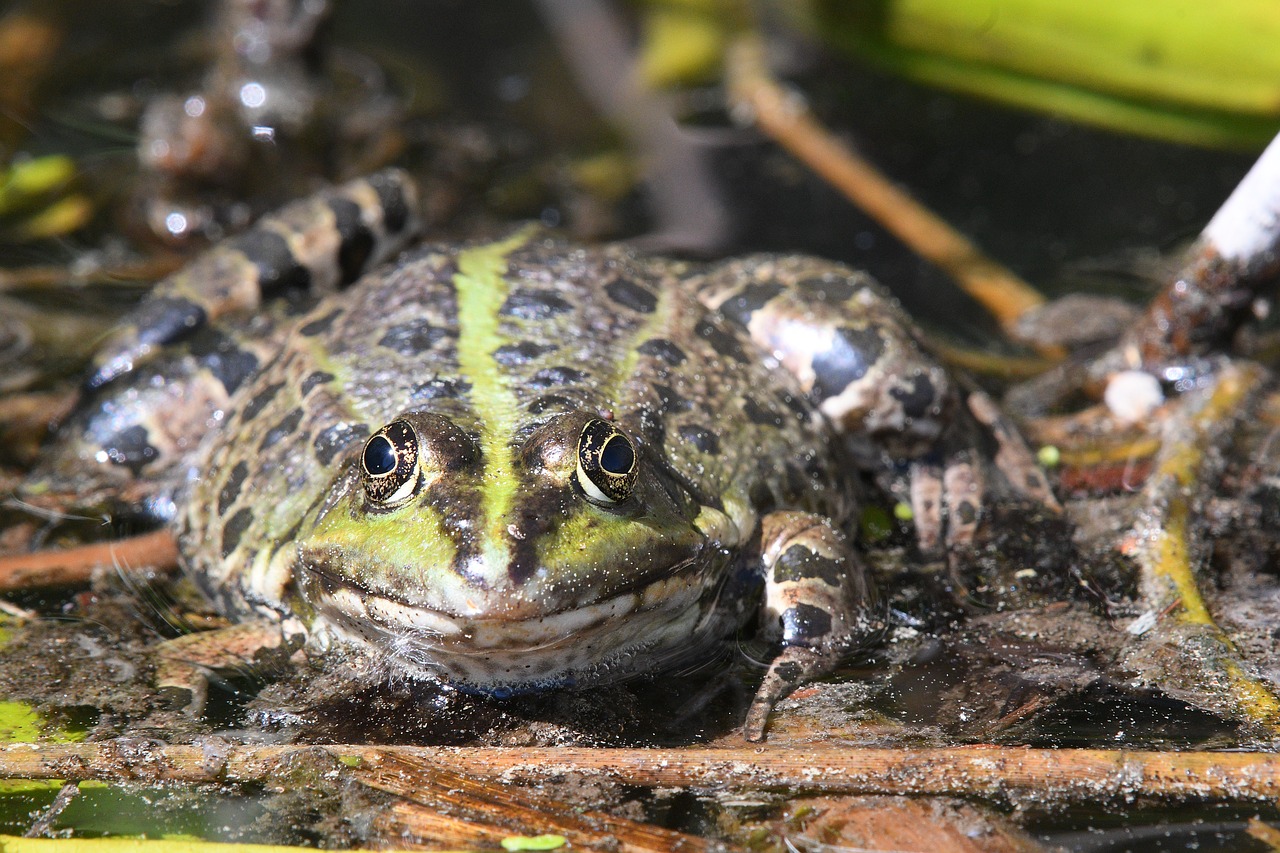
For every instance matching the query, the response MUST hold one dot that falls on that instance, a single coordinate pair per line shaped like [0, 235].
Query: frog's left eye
[389, 464]
[606, 462]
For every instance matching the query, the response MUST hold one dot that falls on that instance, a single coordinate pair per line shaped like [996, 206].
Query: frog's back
[498, 338]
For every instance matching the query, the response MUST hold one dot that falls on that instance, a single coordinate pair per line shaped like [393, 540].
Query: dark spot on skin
[286, 427]
[663, 350]
[815, 467]
[966, 511]
[413, 338]
[670, 400]
[357, 239]
[762, 498]
[850, 356]
[758, 414]
[220, 355]
[260, 401]
[653, 428]
[1034, 481]
[318, 377]
[790, 672]
[395, 209]
[278, 271]
[917, 395]
[231, 487]
[320, 324]
[749, 300]
[799, 563]
[804, 624]
[234, 529]
[630, 294]
[333, 440]
[514, 355]
[829, 290]
[529, 304]
[554, 376]
[438, 389]
[797, 482]
[550, 401]
[796, 404]
[721, 340]
[701, 438]
[165, 319]
[131, 449]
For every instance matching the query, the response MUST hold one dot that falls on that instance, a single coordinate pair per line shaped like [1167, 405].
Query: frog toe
[1012, 456]
[794, 666]
[949, 488]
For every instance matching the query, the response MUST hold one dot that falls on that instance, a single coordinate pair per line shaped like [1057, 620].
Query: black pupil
[617, 457]
[379, 456]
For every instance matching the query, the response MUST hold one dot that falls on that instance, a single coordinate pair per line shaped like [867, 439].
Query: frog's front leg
[817, 603]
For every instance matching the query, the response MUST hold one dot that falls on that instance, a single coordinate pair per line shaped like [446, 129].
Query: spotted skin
[166, 375]
[521, 464]
[313, 246]
[860, 362]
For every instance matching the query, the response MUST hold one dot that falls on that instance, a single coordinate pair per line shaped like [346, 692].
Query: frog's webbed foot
[185, 663]
[947, 497]
[818, 604]
[793, 666]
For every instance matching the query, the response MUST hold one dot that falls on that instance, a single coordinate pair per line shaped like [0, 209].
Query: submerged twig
[1088, 775]
[63, 566]
[43, 825]
[789, 123]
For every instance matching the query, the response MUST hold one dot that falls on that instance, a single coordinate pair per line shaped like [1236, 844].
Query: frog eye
[606, 463]
[389, 464]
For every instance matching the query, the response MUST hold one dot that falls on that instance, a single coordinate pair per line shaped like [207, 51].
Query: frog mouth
[547, 648]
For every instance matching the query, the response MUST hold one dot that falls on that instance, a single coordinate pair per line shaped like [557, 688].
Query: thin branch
[441, 805]
[788, 122]
[1060, 775]
[66, 566]
[687, 207]
[1170, 553]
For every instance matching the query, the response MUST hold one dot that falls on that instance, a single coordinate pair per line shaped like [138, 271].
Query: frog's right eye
[389, 464]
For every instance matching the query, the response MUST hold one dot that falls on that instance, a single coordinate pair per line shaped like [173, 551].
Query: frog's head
[534, 559]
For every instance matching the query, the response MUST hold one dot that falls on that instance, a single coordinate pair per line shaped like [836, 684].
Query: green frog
[519, 464]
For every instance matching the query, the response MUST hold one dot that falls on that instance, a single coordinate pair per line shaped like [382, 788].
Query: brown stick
[1047, 774]
[65, 566]
[440, 806]
[1170, 554]
[788, 123]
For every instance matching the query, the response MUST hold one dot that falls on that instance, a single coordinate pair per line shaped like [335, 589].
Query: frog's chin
[606, 640]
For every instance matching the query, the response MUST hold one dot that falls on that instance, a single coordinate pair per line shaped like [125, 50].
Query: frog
[516, 464]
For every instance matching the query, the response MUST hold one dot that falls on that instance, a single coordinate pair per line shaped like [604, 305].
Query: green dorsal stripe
[481, 287]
